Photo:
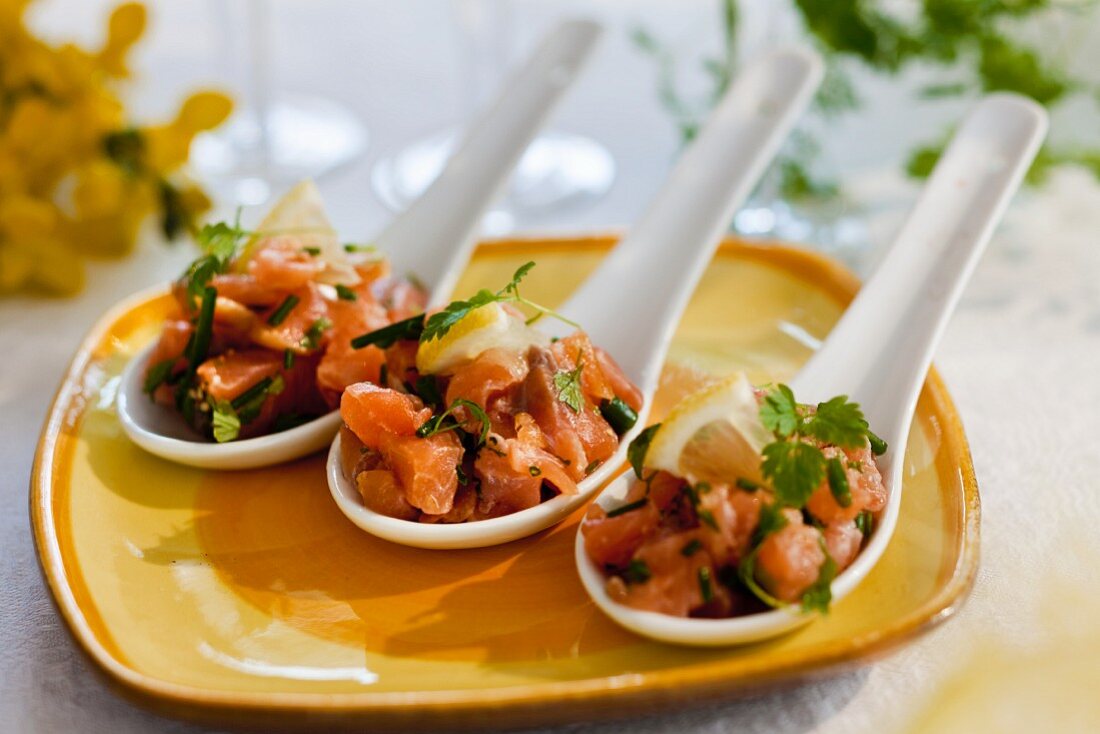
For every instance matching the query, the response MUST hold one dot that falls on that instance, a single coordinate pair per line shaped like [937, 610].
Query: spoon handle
[880, 350]
[633, 302]
[434, 236]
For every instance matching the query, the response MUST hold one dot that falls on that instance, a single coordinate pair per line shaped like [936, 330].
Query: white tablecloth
[1021, 358]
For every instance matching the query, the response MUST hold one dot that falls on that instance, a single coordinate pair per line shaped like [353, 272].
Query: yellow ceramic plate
[249, 596]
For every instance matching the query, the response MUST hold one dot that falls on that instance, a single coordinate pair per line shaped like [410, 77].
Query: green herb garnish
[692, 547]
[620, 416]
[344, 293]
[628, 507]
[427, 387]
[226, 423]
[568, 385]
[865, 522]
[440, 423]
[534, 471]
[637, 572]
[218, 243]
[312, 251]
[746, 484]
[820, 594]
[408, 329]
[279, 315]
[316, 330]
[157, 375]
[878, 446]
[838, 482]
[636, 451]
[288, 359]
[705, 586]
[771, 521]
[439, 323]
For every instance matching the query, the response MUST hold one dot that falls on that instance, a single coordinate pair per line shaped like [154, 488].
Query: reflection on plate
[248, 596]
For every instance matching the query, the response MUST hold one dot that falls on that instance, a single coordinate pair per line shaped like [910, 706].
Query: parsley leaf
[636, 451]
[227, 425]
[568, 385]
[795, 469]
[779, 413]
[839, 422]
[439, 423]
[218, 243]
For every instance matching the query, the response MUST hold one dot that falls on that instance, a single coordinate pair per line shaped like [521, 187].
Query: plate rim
[510, 704]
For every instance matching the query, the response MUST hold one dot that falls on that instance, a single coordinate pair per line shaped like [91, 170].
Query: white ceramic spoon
[880, 350]
[633, 301]
[432, 239]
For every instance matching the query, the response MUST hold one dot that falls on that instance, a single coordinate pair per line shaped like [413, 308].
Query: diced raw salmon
[512, 471]
[343, 365]
[280, 263]
[621, 385]
[612, 541]
[843, 541]
[381, 493]
[290, 333]
[790, 559]
[401, 363]
[674, 585]
[465, 505]
[493, 372]
[577, 437]
[228, 375]
[373, 412]
[426, 469]
[245, 289]
[865, 484]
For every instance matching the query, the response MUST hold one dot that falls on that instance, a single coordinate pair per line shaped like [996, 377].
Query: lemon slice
[714, 435]
[483, 328]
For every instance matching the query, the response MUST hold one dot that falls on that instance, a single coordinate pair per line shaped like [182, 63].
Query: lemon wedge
[714, 435]
[483, 328]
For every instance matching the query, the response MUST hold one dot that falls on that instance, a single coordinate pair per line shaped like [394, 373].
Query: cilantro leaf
[839, 422]
[568, 385]
[795, 469]
[636, 451]
[227, 425]
[218, 243]
[779, 412]
[772, 520]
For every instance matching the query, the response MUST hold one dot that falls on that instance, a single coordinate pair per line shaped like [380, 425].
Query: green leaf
[839, 422]
[706, 589]
[440, 424]
[636, 451]
[795, 470]
[227, 426]
[628, 507]
[865, 522]
[520, 274]
[408, 329]
[314, 333]
[818, 597]
[157, 375]
[620, 416]
[779, 411]
[279, 315]
[746, 572]
[568, 385]
[344, 293]
[440, 322]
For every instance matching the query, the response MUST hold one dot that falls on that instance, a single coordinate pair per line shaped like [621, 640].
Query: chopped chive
[629, 507]
[408, 329]
[702, 488]
[620, 416]
[352, 247]
[747, 484]
[593, 466]
[157, 375]
[705, 587]
[279, 315]
[707, 517]
[534, 471]
[344, 293]
[314, 251]
[878, 446]
[428, 390]
[251, 393]
[865, 523]
[637, 572]
[838, 482]
[692, 547]
[316, 330]
[288, 359]
[384, 375]
[197, 348]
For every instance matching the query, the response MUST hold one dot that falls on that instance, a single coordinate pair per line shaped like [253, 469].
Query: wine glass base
[303, 137]
[557, 170]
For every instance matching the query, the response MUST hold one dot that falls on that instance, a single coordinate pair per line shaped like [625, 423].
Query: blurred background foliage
[971, 47]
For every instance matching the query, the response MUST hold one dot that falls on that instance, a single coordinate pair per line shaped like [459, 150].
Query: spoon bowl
[656, 268]
[433, 238]
[880, 351]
